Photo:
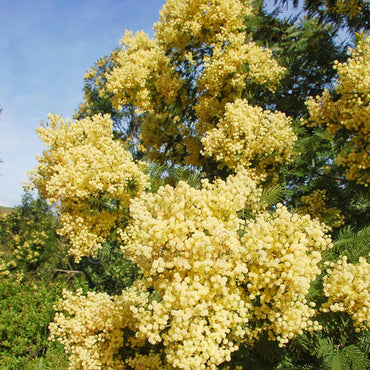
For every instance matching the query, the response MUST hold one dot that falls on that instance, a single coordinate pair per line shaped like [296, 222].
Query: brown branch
[69, 271]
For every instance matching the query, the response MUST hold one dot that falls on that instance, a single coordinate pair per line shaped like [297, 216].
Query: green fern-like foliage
[337, 357]
[326, 351]
[158, 174]
[355, 357]
[192, 177]
[350, 243]
[162, 174]
[273, 194]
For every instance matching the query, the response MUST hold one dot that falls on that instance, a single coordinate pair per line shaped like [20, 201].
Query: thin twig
[69, 271]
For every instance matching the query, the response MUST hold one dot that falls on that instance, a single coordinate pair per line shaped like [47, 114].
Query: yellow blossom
[350, 113]
[247, 136]
[347, 287]
[91, 327]
[314, 205]
[199, 60]
[88, 176]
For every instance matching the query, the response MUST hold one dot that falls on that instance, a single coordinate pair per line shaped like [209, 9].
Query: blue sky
[46, 46]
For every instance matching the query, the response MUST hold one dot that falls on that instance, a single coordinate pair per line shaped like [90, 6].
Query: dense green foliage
[26, 310]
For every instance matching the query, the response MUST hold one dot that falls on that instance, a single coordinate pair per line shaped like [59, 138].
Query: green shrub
[26, 310]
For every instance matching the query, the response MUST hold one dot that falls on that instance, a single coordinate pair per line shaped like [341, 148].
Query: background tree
[352, 14]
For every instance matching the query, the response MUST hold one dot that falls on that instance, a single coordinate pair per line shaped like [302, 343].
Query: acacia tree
[352, 14]
[224, 266]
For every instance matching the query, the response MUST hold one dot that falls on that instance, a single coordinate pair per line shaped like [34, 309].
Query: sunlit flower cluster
[200, 22]
[314, 204]
[247, 136]
[213, 286]
[347, 287]
[282, 251]
[140, 64]
[225, 75]
[186, 241]
[350, 114]
[88, 176]
[200, 60]
[93, 328]
[151, 361]
[351, 8]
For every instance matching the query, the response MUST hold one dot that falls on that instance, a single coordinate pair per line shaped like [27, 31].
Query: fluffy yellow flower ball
[283, 251]
[247, 136]
[347, 287]
[217, 276]
[350, 113]
[89, 177]
[94, 328]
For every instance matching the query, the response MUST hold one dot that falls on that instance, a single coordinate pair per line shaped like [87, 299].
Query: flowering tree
[347, 117]
[221, 266]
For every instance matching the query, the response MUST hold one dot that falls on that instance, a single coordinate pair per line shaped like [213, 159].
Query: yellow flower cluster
[225, 75]
[151, 361]
[247, 136]
[215, 287]
[134, 63]
[200, 22]
[187, 244]
[93, 328]
[352, 8]
[282, 251]
[140, 64]
[199, 45]
[350, 113]
[347, 287]
[90, 328]
[88, 176]
[24, 244]
[29, 249]
[314, 205]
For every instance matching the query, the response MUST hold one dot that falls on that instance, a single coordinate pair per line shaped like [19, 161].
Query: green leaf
[294, 34]
[347, 237]
[273, 195]
[325, 349]
[291, 29]
[339, 361]
[355, 357]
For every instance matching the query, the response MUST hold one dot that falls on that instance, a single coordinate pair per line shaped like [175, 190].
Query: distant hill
[5, 209]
